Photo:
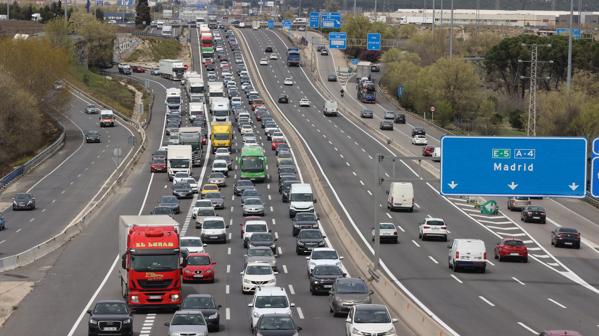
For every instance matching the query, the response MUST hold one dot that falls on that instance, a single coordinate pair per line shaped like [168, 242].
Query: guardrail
[80, 221]
[34, 161]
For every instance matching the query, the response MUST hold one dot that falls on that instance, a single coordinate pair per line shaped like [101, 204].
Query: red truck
[151, 261]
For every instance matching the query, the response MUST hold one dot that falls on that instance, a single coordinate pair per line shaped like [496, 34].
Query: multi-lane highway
[64, 185]
[505, 300]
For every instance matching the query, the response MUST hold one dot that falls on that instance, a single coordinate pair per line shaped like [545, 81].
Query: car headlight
[134, 298]
[213, 316]
[174, 297]
[312, 264]
[92, 321]
[256, 314]
[246, 281]
[321, 243]
[390, 331]
[127, 321]
[300, 243]
[272, 246]
[315, 282]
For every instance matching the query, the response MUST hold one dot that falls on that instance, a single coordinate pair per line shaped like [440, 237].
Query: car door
[348, 321]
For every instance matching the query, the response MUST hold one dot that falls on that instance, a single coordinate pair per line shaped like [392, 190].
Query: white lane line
[272, 209]
[433, 260]
[401, 228]
[534, 332]
[228, 250]
[53, 201]
[336, 149]
[62, 192]
[227, 289]
[285, 269]
[415, 243]
[490, 262]
[18, 230]
[291, 290]
[354, 173]
[369, 192]
[232, 208]
[456, 278]
[486, 301]
[279, 250]
[509, 228]
[228, 268]
[276, 235]
[230, 235]
[387, 175]
[361, 182]
[269, 197]
[43, 210]
[341, 156]
[518, 281]
[268, 186]
[300, 313]
[274, 222]
[228, 313]
[417, 205]
[31, 220]
[71, 183]
[232, 197]
[347, 163]
[388, 215]
[557, 303]
[2, 242]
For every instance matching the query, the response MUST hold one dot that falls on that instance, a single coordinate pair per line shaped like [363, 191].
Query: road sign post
[513, 166]
[337, 40]
[400, 90]
[373, 41]
[314, 20]
[595, 177]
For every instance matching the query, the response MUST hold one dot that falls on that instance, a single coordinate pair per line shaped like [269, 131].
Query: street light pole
[377, 227]
[569, 78]
[354, 7]
[451, 32]
[433, 26]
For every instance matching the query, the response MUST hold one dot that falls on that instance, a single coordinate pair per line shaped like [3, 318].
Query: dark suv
[564, 236]
[263, 239]
[323, 277]
[347, 292]
[110, 317]
[307, 239]
[418, 131]
[304, 220]
[23, 201]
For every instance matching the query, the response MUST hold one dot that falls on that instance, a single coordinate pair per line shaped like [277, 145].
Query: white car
[226, 157]
[192, 183]
[264, 61]
[388, 233]
[433, 227]
[369, 319]
[220, 166]
[192, 244]
[257, 274]
[236, 101]
[323, 256]
[200, 203]
[250, 140]
[304, 102]
[269, 300]
[180, 177]
[288, 81]
[419, 139]
[223, 150]
[202, 213]
[214, 229]
[274, 56]
[251, 227]
[246, 129]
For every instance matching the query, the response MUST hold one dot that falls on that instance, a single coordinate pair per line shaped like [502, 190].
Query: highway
[65, 183]
[560, 212]
[505, 300]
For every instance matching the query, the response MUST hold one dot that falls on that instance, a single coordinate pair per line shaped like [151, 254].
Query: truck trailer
[293, 57]
[171, 69]
[192, 136]
[179, 159]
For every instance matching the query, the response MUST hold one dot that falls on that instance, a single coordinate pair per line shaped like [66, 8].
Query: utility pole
[433, 26]
[377, 227]
[580, 15]
[66, 17]
[477, 17]
[569, 77]
[354, 7]
[531, 126]
[375, 1]
[451, 33]
[441, 19]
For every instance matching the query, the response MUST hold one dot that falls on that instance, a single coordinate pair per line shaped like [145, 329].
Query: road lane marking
[291, 290]
[228, 268]
[557, 303]
[369, 192]
[227, 289]
[18, 230]
[534, 332]
[361, 182]
[433, 260]
[415, 243]
[354, 173]
[486, 301]
[228, 313]
[401, 228]
[279, 250]
[347, 163]
[285, 269]
[518, 281]
[456, 278]
[388, 215]
[228, 250]
[274, 222]
[300, 313]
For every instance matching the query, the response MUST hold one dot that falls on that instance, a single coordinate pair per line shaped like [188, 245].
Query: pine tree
[143, 17]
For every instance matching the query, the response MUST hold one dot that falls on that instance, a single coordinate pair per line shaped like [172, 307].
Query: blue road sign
[513, 166]
[576, 33]
[373, 42]
[331, 20]
[271, 24]
[355, 61]
[337, 40]
[314, 20]
[596, 147]
[400, 90]
[287, 24]
[595, 177]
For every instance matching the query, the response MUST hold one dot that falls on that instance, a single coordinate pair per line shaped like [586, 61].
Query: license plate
[213, 237]
[514, 254]
[466, 257]
[197, 275]
[568, 243]
[110, 329]
[536, 217]
[328, 286]
[155, 297]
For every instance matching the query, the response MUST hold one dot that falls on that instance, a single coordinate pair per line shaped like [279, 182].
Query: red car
[276, 141]
[158, 165]
[511, 248]
[246, 219]
[138, 69]
[257, 102]
[428, 150]
[200, 267]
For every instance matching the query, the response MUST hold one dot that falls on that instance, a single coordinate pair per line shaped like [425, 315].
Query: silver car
[187, 322]
[202, 213]
[217, 178]
[253, 207]
[261, 254]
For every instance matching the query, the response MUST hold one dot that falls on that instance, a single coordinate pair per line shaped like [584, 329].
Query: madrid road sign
[373, 41]
[314, 20]
[595, 177]
[337, 40]
[513, 166]
[271, 24]
[331, 20]
[287, 24]
[596, 147]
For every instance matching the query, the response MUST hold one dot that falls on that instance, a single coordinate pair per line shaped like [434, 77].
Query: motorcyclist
[342, 92]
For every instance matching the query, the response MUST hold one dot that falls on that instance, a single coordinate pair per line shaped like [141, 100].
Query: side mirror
[340, 258]
[448, 246]
[344, 275]
[315, 200]
[167, 324]
[371, 292]
[323, 237]
[276, 273]
[292, 304]
[124, 261]
[276, 255]
[394, 320]
[250, 304]
[241, 272]
[299, 328]
[245, 255]
[307, 258]
[89, 311]
[214, 263]
[276, 239]
[227, 226]
[219, 306]
[348, 320]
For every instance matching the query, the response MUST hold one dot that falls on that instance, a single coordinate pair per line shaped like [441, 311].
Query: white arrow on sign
[513, 185]
[452, 185]
[573, 186]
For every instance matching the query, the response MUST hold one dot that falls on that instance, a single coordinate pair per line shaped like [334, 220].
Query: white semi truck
[171, 69]
[179, 159]
[194, 85]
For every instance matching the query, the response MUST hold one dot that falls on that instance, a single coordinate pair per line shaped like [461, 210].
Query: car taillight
[457, 254]
[578, 235]
[444, 227]
[485, 255]
[529, 213]
[426, 227]
[542, 213]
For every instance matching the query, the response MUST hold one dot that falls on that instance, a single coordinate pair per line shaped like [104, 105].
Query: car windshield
[260, 252]
[250, 192]
[168, 199]
[519, 198]
[327, 270]
[435, 223]
[255, 228]
[198, 302]
[213, 224]
[259, 270]
[387, 226]
[219, 164]
[568, 230]
[191, 242]
[92, 132]
[182, 185]
[179, 163]
[112, 308]
[513, 243]
[213, 195]
[162, 211]
[210, 187]
[154, 263]
[158, 161]
[276, 323]
[371, 316]
[310, 234]
[253, 201]
[22, 197]
[301, 197]
[221, 136]
[271, 302]
[261, 237]
[188, 319]
[216, 176]
[535, 208]
[305, 217]
[206, 212]
[324, 255]
[198, 260]
[351, 287]
[245, 183]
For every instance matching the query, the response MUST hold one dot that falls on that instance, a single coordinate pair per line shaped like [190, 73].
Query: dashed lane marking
[415, 243]
[486, 301]
[291, 290]
[433, 260]
[300, 313]
[518, 281]
[456, 278]
[534, 332]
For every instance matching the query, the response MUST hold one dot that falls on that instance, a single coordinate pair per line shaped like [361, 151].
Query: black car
[162, 210]
[23, 201]
[170, 202]
[332, 78]
[386, 125]
[182, 190]
[110, 317]
[374, 68]
[564, 236]
[263, 239]
[347, 292]
[323, 277]
[285, 187]
[418, 130]
[282, 147]
[92, 109]
[400, 118]
[366, 113]
[268, 49]
[241, 185]
[92, 136]
[286, 170]
[533, 213]
[283, 99]
[308, 239]
[276, 325]
[304, 221]
[206, 304]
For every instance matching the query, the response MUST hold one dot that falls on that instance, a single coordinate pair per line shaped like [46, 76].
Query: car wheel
[297, 251]
[455, 267]
[419, 235]
[445, 238]
[525, 259]
[499, 258]
[483, 269]
[495, 256]
[577, 246]
[543, 221]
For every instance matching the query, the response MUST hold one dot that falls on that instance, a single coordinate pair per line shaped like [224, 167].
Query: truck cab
[221, 135]
[330, 108]
[106, 118]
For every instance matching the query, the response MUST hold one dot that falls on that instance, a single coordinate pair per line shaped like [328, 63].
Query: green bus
[252, 163]
[207, 52]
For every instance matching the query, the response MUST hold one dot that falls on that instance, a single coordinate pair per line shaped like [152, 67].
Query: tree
[143, 17]
[99, 12]
[98, 36]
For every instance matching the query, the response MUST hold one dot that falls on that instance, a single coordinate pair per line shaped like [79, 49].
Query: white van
[468, 253]
[330, 108]
[401, 196]
[301, 199]
[437, 154]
